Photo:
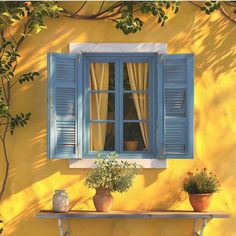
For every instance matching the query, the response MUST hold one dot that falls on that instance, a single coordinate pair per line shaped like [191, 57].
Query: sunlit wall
[33, 177]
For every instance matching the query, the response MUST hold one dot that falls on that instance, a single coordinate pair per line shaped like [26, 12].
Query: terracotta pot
[131, 145]
[103, 199]
[200, 202]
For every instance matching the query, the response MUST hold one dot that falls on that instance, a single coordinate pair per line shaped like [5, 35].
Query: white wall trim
[79, 48]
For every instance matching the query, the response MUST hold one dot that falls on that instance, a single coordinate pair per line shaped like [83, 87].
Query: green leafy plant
[31, 16]
[200, 182]
[112, 173]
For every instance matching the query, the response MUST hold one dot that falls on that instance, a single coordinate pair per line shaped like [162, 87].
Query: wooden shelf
[133, 214]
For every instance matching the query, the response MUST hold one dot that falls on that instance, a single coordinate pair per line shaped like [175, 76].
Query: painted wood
[119, 59]
[176, 113]
[62, 105]
[134, 214]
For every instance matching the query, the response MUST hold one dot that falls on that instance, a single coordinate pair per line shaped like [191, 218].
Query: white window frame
[79, 48]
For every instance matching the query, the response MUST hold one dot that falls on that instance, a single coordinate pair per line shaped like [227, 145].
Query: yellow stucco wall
[33, 178]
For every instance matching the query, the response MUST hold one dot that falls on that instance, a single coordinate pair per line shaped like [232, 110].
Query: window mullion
[121, 124]
[117, 106]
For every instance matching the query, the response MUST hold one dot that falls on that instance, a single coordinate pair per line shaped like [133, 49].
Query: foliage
[30, 16]
[117, 175]
[200, 182]
[36, 11]
[127, 15]
[1, 229]
[210, 7]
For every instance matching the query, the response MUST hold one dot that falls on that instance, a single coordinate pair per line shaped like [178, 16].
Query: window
[138, 104]
[119, 97]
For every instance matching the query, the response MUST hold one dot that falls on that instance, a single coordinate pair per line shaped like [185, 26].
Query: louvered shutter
[175, 121]
[63, 92]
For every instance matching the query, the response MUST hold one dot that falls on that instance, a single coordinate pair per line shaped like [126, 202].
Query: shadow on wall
[33, 178]
[213, 54]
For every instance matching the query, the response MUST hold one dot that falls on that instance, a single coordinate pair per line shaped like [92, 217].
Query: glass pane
[136, 136]
[135, 76]
[135, 106]
[102, 106]
[102, 136]
[102, 76]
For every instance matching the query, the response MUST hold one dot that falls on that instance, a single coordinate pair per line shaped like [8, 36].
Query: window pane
[102, 136]
[102, 76]
[135, 106]
[102, 106]
[135, 76]
[135, 136]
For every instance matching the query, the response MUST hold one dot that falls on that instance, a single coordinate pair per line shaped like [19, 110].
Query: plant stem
[3, 186]
[224, 13]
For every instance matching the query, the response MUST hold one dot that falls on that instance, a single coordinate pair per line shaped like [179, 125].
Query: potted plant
[131, 137]
[110, 175]
[200, 185]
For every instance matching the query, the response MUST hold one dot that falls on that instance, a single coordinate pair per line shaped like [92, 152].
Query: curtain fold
[99, 80]
[138, 78]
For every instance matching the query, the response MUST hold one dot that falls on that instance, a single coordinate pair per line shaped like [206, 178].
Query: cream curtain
[138, 78]
[99, 80]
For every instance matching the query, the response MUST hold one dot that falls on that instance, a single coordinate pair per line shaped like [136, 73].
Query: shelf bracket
[204, 223]
[66, 226]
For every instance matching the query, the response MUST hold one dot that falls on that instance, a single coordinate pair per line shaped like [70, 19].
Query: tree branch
[80, 8]
[99, 16]
[11, 36]
[231, 4]
[195, 4]
[101, 7]
[3, 139]
[4, 90]
[14, 83]
[225, 14]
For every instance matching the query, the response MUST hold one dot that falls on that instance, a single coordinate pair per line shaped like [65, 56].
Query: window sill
[146, 163]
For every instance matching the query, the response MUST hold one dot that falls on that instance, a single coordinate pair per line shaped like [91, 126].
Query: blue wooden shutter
[64, 88]
[175, 120]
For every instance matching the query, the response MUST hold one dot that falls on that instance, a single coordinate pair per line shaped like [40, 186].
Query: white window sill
[146, 163]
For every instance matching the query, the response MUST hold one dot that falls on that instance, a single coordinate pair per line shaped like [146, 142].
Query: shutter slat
[177, 132]
[63, 125]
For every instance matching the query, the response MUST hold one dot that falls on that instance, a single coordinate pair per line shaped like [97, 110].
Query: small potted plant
[131, 138]
[200, 185]
[110, 175]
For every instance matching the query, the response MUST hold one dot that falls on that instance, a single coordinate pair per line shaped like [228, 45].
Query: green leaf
[167, 5]
[176, 10]
[16, 17]
[208, 4]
